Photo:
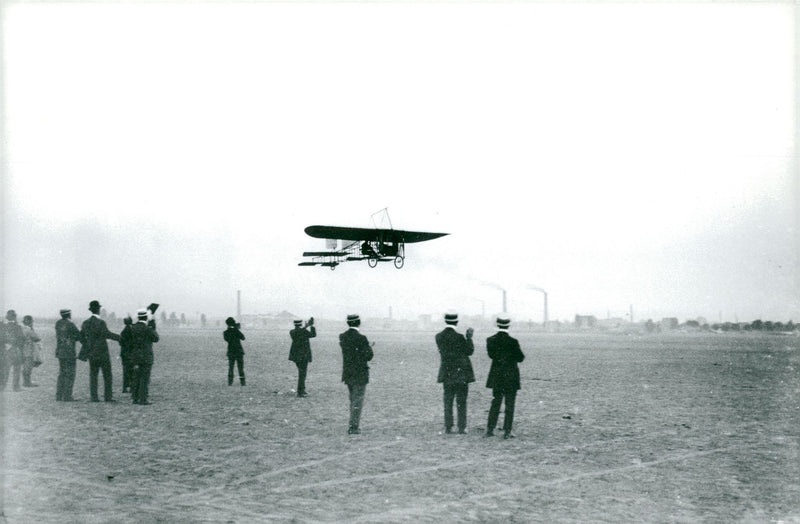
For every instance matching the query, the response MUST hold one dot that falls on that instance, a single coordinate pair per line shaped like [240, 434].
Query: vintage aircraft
[357, 243]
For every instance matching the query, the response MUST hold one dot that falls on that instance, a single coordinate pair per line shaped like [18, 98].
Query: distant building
[669, 323]
[585, 321]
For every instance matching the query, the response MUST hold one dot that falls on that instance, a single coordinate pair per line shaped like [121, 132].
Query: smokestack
[545, 306]
[504, 301]
[239, 305]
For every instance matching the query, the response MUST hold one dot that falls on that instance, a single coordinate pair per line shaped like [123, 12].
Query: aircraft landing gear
[372, 262]
[398, 262]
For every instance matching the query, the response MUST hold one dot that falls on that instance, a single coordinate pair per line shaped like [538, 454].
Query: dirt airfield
[610, 428]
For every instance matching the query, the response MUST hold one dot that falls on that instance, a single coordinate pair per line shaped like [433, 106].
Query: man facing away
[94, 333]
[15, 340]
[503, 377]
[455, 370]
[67, 334]
[300, 352]
[142, 336]
[356, 352]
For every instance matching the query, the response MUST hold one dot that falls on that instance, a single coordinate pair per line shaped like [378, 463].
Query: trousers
[357, 393]
[498, 395]
[239, 362]
[66, 378]
[302, 371]
[95, 366]
[459, 393]
[141, 383]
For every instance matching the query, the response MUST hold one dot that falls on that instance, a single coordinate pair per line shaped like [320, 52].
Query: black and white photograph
[399, 261]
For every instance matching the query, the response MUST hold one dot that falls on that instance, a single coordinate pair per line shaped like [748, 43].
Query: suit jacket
[67, 334]
[454, 350]
[94, 333]
[301, 347]
[356, 352]
[234, 338]
[505, 353]
[142, 336]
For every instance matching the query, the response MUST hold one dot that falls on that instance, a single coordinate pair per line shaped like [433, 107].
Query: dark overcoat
[94, 333]
[455, 350]
[505, 353]
[356, 352]
[67, 334]
[234, 338]
[301, 347]
[142, 337]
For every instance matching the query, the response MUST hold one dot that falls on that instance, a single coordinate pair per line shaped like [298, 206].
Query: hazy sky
[612, 154]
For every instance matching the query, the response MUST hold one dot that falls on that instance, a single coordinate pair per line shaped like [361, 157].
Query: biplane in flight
[350, 244]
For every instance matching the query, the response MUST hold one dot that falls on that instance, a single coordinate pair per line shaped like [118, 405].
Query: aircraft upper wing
[371, 235]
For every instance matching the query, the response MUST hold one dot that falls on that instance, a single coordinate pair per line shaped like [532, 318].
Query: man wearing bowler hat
[94, 333]
[356, 352]
[455, 370]
[67, 334]
[503, 377]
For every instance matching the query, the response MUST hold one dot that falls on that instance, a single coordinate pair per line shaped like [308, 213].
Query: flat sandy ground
[610, 428]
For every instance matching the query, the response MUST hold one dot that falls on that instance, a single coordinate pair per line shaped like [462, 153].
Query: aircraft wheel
[398, 262]
[372, 262]
[333, 267]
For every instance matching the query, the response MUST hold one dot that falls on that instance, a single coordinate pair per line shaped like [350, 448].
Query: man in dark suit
[356, 352]
[300, 352]
[125, 354]
[67, 334]
[455, 370]
[233, 336]
[142, 336]
[94, 333]
[503, 377]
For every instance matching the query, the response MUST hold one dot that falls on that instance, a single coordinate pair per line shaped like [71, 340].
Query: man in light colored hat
[142, 336]
[67, 334]
[356, 352]
[94, 334]
[455, 370]
[503, 377]
[300, 352]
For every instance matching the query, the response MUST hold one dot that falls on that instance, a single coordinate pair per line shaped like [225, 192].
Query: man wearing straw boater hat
[300, 352]
[67, 334]
[142, 336]
[503, 377]
[455, 370]
[356, 352]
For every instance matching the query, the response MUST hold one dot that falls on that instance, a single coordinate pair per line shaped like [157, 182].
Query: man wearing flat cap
[94, 334]
[300, 352]
[356, 352]
[67, 334]
[503, 377]
[455, 370]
